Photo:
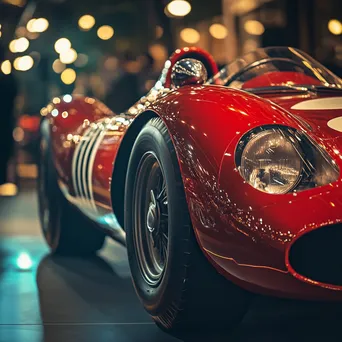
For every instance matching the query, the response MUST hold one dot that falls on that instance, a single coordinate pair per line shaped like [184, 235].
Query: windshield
[275, 66]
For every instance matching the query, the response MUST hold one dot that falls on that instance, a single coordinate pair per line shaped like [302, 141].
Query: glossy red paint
[276, 78]
[245, 233]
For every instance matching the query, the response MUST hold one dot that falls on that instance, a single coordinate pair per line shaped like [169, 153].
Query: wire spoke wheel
[151, 219]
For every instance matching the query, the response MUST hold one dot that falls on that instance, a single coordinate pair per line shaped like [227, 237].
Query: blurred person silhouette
[124, 90]
[148, 76]
[8, 94]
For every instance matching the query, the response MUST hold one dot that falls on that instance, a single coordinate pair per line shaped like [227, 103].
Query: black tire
[190, 294]
[66, 230]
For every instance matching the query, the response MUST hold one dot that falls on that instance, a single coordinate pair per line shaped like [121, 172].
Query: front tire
[172, 277]
[65, 229]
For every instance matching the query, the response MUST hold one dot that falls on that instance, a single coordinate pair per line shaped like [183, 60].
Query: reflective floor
[44, 298]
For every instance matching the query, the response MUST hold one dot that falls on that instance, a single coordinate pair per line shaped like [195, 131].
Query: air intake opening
[317, 255]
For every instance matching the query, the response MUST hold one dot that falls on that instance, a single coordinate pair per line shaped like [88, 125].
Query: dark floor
[63, 299]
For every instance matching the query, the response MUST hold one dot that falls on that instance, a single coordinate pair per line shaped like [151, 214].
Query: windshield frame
[228, 74]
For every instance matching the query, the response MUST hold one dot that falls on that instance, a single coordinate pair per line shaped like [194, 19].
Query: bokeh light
[105, 32]
[190, 35]
[86, 22]
[335, 27]
[6, 67]
[68, 76]
[254, 27]
[24, 261]
[21, 44]
[23, 63]
[159, 32]
[29, 25]
[39, 25]
[58, 66]
[82, 60]
[62, 44]
[218, 31]
[179, 8]
[68, 56]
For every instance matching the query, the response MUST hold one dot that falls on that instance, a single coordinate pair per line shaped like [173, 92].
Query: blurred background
[54, 47]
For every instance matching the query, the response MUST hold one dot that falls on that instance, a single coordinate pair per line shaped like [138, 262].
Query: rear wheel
[65, 229]
[172, 277]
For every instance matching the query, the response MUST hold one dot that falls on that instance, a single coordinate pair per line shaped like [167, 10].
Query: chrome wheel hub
[151, 219]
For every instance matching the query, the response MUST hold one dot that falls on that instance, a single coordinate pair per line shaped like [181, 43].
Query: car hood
[319, 114]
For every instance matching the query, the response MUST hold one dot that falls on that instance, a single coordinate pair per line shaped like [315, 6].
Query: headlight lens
[271, 163]
[278, 160]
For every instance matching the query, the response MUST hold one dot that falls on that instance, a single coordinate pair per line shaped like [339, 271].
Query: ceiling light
[105, 32]
[68, 56]
[335, 27]
[21, 44]
[254, 27]
[6, 67]
[68, 76]
[58, 66]
[179, 8]
[86, 22]
[29, 25]
[40, 25]
[190, 35]
[218, 31]
[23, 63]
[62, 44]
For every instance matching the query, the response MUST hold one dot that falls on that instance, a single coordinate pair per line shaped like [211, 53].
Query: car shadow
[96, 295]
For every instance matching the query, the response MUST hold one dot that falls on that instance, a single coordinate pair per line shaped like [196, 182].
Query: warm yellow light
[159, 32]
[86, 22]
[12, 47]
[335, 27]
[254, 27]
[58, 66]
[6, 67]
[105, 32]
[190, 35]
[62, 44]
[218, 31]
[179, 8]
[19, 3]
[68, 56]
[68, 76]
[21, 44]
[29, 25]
[40, 25]
[0, 34]
[23, 63]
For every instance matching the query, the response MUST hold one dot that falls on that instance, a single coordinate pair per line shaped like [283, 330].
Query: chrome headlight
[278, 160]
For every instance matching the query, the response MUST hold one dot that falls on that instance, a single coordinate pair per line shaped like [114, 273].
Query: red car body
[245, 233]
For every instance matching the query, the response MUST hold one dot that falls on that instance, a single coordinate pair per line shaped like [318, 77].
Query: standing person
[124, 91]
[8, 93]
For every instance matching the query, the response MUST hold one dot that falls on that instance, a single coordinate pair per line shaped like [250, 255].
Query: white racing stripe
[336, 124]
[91, 166]
[320, 104]
[78, 150]
[82, 168]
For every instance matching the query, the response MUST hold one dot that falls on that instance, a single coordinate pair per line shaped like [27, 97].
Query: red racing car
[220, 183]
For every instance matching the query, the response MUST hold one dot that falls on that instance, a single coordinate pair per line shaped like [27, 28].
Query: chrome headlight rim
[309, 151]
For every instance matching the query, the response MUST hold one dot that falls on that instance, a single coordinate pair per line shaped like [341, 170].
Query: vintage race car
[222, 184]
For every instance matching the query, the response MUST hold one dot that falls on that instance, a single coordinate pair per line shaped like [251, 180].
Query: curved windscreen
[275, 66]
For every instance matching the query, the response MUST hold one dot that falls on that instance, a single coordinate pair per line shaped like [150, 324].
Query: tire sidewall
[157, 299]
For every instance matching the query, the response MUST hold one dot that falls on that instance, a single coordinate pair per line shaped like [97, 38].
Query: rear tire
[66, 230]
[188, 293]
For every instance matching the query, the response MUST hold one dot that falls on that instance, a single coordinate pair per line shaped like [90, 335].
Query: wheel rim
[150, 210]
